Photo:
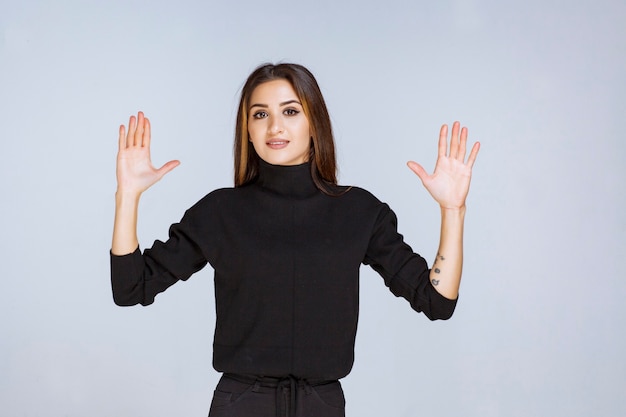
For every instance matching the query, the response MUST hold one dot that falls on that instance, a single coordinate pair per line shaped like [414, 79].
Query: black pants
[249, 396]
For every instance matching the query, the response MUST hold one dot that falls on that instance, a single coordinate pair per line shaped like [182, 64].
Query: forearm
[125, 223]
[445, 274]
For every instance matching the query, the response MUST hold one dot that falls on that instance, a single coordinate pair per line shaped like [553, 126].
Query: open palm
[450, 181]
[135, 172]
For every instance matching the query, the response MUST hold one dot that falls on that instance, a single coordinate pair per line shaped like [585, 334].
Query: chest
[273, 236]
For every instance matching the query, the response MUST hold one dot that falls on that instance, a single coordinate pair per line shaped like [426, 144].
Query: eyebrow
[284, 103]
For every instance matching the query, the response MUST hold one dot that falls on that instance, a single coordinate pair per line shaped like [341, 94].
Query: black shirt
[286, 258]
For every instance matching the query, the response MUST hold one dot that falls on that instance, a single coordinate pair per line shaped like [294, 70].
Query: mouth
[277, 143]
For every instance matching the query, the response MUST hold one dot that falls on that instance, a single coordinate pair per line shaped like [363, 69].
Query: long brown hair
[322, 151]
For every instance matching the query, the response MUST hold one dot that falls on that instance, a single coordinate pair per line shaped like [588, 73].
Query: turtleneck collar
[290, 181]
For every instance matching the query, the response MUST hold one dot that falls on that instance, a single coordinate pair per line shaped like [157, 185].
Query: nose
[276, 126]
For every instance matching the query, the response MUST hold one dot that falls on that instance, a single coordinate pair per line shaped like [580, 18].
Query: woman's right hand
[135, 172]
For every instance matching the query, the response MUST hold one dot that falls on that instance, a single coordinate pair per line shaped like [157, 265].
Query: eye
[259, 115]
[291, 112]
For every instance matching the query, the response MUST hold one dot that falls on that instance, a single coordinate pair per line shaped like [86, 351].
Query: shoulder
[363, 203]
[217, 198]
[358, 192]
[360, 195]
[210, 210]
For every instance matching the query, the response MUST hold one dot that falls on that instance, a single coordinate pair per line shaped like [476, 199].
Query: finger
[454, 141]
[418, 170]
[462, 145]
[443, 141]
[121, 141]
[473, 154]
[167, 167]
[137, 138]
[146, 134]
[132, 126]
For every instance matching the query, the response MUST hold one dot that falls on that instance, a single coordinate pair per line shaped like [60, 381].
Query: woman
[286, 244]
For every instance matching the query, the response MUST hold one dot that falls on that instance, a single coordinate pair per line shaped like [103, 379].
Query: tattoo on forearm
[439, 257]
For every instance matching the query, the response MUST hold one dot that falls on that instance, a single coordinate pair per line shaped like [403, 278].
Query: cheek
[304, 130]
[251, 132]
[257, 129]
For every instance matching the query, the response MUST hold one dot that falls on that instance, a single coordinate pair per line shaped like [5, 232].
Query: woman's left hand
[450, 182]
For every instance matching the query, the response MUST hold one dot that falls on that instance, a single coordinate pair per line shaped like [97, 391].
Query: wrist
[127, 196]
[453, 210]
[452, 218]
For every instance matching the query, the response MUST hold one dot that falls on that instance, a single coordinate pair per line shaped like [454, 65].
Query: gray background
[539, 329]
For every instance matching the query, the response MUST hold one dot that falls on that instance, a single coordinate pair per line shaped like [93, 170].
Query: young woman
[286, 244]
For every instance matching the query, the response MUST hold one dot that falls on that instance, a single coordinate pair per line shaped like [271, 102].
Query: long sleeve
[137, 278]
[404, 272]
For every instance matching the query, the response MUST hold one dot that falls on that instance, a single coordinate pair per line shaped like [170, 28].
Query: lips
[277, 143]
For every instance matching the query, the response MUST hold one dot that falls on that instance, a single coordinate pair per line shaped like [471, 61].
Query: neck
[291, 181]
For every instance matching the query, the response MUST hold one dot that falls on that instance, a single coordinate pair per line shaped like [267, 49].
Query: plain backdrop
[540, 325]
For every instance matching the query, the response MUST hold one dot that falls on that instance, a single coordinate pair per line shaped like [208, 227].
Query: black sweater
[286, 259]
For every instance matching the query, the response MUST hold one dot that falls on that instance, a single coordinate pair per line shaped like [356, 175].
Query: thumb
[167, 167]
[418, 169]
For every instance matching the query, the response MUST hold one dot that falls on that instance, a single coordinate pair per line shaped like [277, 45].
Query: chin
[284, 161]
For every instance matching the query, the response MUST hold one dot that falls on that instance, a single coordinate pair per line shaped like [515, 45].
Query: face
[277, 125]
